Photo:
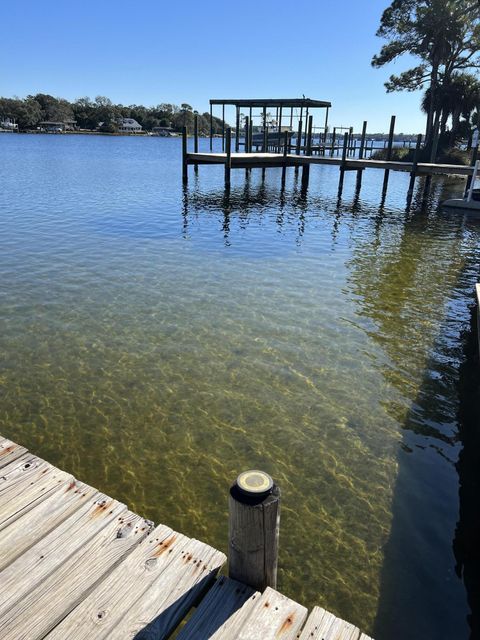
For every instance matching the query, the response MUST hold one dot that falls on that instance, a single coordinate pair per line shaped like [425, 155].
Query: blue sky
[187, 51]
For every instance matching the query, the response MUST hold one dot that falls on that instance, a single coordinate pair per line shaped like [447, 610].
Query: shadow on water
[421, 592]
[467, 535]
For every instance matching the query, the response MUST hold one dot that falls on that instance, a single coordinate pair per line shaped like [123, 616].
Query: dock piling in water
[184, 156]
[413, 173]
[389, 151]
[254, 523]
[228, 162]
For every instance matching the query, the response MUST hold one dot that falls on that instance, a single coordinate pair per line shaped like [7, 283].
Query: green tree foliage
[90, 114]
[456, 99]
[443, 35]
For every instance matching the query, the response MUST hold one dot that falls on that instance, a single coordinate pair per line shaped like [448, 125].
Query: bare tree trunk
[435, 136]
[431, 108]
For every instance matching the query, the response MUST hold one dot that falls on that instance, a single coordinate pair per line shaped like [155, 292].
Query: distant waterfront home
[162, 131]
[7, 124]
[128, 125]
[57, 127]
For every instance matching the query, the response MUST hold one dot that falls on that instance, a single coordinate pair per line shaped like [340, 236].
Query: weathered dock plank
[24, 485]
[323, 625]
[149, 593]
[232, 611]
[22, 533]
[44, 584]
[77, 564]
[222, 612]
[273, 616]
[10, 451]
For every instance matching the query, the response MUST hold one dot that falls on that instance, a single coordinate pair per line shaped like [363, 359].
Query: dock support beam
[184, 156]
[413, 173]
[308, 152]
[237, 129]
[254, 523]
[389, 152]
[346, 138]
[228, 161]
[195, 133]
[285, 152]
[211, 127]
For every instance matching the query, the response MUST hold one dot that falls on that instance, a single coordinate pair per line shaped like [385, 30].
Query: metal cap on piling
[254, 483]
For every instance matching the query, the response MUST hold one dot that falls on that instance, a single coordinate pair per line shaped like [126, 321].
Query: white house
[8, 125]
[128, 125]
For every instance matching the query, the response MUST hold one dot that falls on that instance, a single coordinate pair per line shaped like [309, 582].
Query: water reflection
[157, 340]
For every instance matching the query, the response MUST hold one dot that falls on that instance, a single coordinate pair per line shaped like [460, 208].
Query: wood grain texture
[253, 531]
[59, 580]
[23, 532]
[10, 451]
[222, 612]
[274, 616]
[25, 486]
[323, 625]
[149, 593]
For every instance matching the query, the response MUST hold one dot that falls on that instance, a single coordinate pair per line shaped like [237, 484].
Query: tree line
[444, 38]
[101, 114]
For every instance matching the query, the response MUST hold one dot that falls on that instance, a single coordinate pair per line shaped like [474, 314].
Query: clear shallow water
[156, 341]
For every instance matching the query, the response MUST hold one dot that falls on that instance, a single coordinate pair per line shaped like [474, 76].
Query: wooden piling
[254, 522]
[184, 156]
[265, 138]
[228, 160]
[346, 137]
[211, 127]
[280, 127]
[247, 133]
[299, 137]
[285, 152]
[237, 129]
[389, 151]
[360, 156]
[250, 136]
[223, 127]
[362, 141]
[195, 133]
[309, 136]
[413, 173]
[334, 135]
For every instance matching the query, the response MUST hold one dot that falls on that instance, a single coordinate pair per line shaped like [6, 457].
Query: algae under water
[156, 340]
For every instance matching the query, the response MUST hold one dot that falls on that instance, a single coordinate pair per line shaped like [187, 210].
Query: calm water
[155, 342]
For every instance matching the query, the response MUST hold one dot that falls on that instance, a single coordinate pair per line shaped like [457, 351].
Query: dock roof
[273, 102]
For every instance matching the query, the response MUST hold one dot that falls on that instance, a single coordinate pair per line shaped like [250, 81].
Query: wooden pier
[263, 160]
[274, 146]
[77, 564]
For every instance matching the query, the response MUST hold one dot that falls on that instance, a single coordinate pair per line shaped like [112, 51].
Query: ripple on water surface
[157, 341]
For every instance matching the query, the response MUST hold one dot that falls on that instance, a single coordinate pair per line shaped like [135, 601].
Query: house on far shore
[163, 131]
[128, 125]
[7, 124]
[57, 127]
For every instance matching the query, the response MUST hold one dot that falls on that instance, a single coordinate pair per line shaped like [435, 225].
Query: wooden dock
[264, 160]
[77, 564]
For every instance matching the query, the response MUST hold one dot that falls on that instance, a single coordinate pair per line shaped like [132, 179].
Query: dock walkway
[77, 564]
[259, 160]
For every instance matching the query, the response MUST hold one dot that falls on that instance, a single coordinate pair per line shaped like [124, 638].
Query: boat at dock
[470, 204]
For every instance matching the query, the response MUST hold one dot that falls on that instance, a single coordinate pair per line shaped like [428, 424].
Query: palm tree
[457, 97]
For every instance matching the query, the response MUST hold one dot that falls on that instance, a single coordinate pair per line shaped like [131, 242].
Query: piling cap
[254, 483]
